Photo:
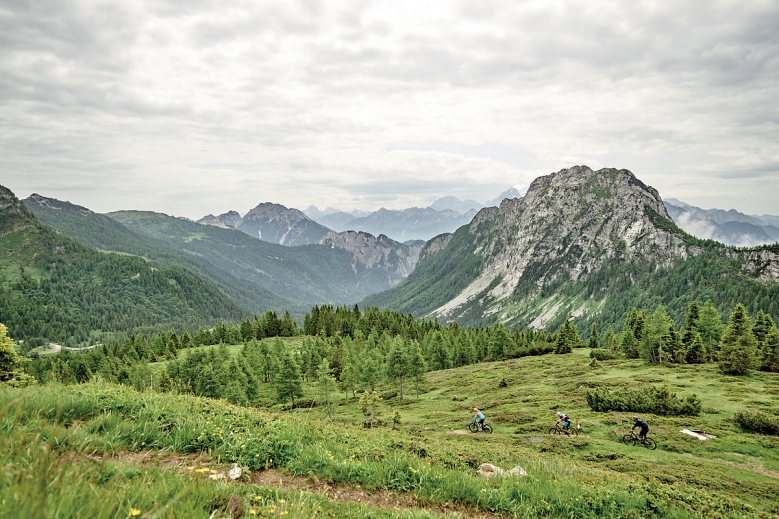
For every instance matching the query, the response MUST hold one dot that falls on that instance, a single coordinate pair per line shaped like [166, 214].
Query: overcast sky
[194, 106]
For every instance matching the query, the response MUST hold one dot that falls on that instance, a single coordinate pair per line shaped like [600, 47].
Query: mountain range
[730, 227]
[580, 244]
[584, 244]
[276, 223]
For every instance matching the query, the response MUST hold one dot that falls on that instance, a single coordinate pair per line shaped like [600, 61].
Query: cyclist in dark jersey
[643, 425]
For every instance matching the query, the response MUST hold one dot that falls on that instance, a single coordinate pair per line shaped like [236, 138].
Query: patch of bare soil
[380, 498]
[189, 464]
[459, 431]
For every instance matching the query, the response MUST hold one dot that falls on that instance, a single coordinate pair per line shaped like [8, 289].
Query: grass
[43, 429]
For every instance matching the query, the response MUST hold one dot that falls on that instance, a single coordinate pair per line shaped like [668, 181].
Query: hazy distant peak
[453, 203]
[511, 192]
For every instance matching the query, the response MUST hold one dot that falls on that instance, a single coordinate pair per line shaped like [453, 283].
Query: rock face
[278, 224]
[370, 252]
[228, 220]
[567, 225]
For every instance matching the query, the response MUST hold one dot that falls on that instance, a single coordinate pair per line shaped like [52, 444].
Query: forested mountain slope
[54, 287]
[302, 274]
[106, 234]
[591, 244]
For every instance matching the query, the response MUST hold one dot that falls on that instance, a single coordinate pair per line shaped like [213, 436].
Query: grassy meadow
[101, 450]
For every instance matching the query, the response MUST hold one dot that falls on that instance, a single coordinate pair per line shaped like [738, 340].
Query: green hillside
[303, 274]
[152, 452]
[55, 288]
[106, 234]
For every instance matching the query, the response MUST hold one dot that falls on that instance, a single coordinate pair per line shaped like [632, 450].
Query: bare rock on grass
[488, 471]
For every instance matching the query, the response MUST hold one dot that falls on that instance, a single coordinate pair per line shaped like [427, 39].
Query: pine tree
[397, 366]
[738, 346]
[500, 342]
[417, 365]
[710, 327]
[769, 354]
[288, 380]
[593, 341]
[695, 352]
[326, 384]
[693, 316]
[440, 355]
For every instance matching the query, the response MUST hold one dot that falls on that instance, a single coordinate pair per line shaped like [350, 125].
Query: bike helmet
[635, 418]
[475, 409]
[559, 413]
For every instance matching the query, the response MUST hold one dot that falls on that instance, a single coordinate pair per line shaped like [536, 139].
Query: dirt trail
[384, 499]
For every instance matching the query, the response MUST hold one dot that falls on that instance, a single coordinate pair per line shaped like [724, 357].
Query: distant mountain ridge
[580, 243]
[730, 227]
[56, 288]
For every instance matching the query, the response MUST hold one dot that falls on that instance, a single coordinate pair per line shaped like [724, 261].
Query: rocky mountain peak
[279, 224]
[567, 226]
[370, 251]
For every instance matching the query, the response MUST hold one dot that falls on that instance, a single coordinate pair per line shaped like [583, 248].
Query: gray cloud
[201, 106]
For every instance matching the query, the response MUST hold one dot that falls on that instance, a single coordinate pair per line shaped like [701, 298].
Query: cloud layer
[198, 106]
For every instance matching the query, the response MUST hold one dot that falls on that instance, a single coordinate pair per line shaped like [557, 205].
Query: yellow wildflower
[134, 512]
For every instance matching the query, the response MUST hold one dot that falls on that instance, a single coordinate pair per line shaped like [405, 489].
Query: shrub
[757, 421]
[656, 400]
[603, 354]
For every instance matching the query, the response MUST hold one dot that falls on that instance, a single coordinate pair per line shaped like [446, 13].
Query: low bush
[603, 354]
[758, 421]
[656, 400]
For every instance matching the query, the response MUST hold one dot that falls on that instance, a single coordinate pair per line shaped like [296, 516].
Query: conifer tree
[440, 355]
[288, 380]
[500, 342]
[693, 316]
[763, 324]
[710, 327]
[593, 341]
[326, 385]
[11, 362]
[370, 404]
[769, 353]
[417, 365]
[397, 367]
[738, 346]
[371, 368]
[695, 352]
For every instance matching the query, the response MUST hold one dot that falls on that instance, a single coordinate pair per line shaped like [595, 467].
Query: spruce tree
[695, 352]
[710, 327]
[500, 342]
[593, 341]
[738, 346]
[769, 354]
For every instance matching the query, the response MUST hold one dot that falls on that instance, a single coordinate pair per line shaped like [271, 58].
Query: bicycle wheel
[473, 427]
[650, 444]
[572, 432]
[629, 439]
[487, 428]
[554, 430]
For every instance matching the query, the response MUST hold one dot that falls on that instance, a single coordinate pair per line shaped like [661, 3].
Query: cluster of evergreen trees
[738, 347]
[344, 349]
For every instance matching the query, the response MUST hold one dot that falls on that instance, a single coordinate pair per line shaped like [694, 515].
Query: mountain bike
[569, 431]
[474, 427]
[633, 439]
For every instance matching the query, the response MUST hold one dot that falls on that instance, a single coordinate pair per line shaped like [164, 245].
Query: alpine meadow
[473, 260]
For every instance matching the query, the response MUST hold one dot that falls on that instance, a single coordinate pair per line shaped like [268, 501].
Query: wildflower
[252, 511]
[134, 512]
[190, 468]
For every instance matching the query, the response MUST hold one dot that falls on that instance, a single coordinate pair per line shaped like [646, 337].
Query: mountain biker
[563, 418]
[644, 427]
[478, 415]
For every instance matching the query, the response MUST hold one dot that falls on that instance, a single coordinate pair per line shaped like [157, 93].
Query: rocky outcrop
[567, 226]
[228, 220]
[369, 252]
[278, 224]
[435, 245]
